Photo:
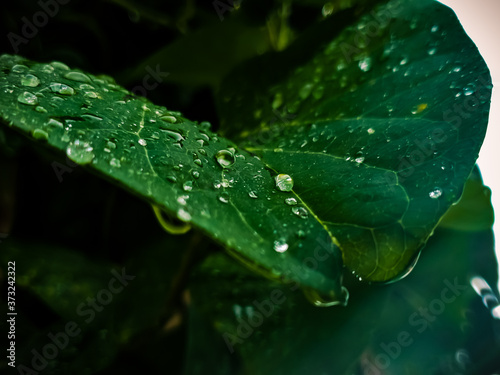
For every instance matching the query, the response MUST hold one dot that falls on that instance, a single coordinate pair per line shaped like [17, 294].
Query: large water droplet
[78, 77]
[300, 212]
[19, 68]
[280, 245]
[62, 89]
[183, 215]
[30, 80]
[436, 193]
[80, 152]
[27, 98]
[225, 158]
[284, 182]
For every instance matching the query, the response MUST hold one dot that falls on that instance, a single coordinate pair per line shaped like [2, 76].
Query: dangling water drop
[80, 152]
[284, 182]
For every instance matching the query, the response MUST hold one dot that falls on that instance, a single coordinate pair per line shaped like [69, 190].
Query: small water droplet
[92, 95]
[143, 142]
[30, 80]
[198, 162]
[195, 174]
[40, 109]
[280, 245]
[436, 193]
[78, 77]
[40, 134]
[183, 215]
[327, 9]
[115, 163]
[171, 178]
[365, 64]
[80, 152]
[59, 65]
[168, 118]
[252, 195]
[434, 28]
[19, 68]
[225, 158]
[432, 51]
[284, 182]
[224, 197]
[404, 61]
[301, 233]
[174, 135]
[62, 89]
[300, 212]
[187, 186]
[27, 98]
[359, 159]
[469, 89]
[277, 101]
[371, 131]
[305, 91]
[291, 201]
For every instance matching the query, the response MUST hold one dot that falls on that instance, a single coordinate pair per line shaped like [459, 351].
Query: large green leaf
[171, 162]
[433, 318]
[379, 127]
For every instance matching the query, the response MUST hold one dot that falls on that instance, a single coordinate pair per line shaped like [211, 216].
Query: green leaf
[437, 321]
[378, 114]
[168, 160]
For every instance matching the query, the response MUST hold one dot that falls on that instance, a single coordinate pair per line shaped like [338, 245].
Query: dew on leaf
[30, 80]
[280, 245]
[187, 186]
[59, 65]
[195, 174]
[80, 152]
[40, 109]
[291, 201]
[168, 118]
[27, 98]
[143, 142]
[40, 134]
[284, 182]
[174, 135]
[253, 195]
[62, 89]
[19, 68]
[365, 64]
[224, 197]
[225, 158]
[78, 77]
[183, 215]
[198, 162]
[115, 163]
[436, 193]
[300, 212]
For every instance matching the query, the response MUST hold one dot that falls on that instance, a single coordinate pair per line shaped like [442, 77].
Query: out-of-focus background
[480, 20]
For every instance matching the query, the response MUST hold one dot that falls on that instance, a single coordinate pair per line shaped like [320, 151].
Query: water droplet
[92, 95]
[80, 152]
[195, 174]
[301, 233]
[172, 179]
[326, 300]
[62, 89]
[277, 101]
[469, 89]
[115, 163]
[174, 135]
[305, 91]
[183, 215]
[27, 98]
[404, 61]
[225, 158]
[300, 212]
[291, 201]
[434, 28]
[371, 131]
[436, 193]
[327, 9]
[40, 134]
[198, 162]
[111, 145]
[280, 245]
[59, 65]
[432, 51]
[92, 117]
[419, 108]
[252, 195]
[78, 77]
[30, 80]
[143, 142]
[224, 197]
[169, 119]
[19, 68]
[187, 186]
[359, 159]
[365, 64]
[40, 109]
[284, 182]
